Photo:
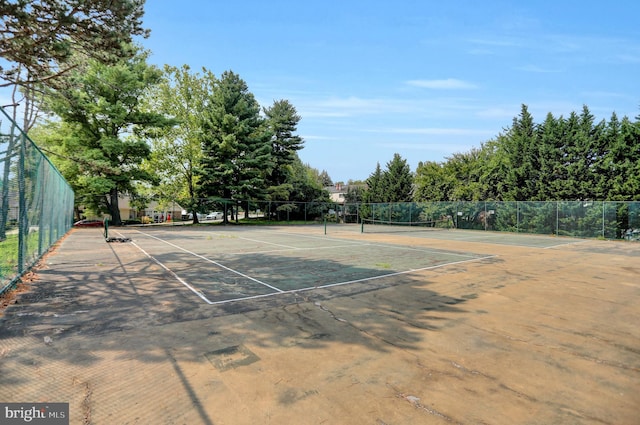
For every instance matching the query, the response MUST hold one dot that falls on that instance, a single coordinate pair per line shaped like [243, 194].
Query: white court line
[358, 244]
[280, 291]
[566, 243]
[293, 291]
[491, 237]
[213, 262]
[292, 249]
[268, 243]
[405, 272]
[172, 273]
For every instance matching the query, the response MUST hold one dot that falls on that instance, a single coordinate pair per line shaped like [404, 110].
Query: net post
[106, 228]
[325, 224]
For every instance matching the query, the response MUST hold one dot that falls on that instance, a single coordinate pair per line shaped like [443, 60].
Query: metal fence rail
[36, 203]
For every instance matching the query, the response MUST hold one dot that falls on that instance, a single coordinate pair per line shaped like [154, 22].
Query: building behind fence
[36, 203]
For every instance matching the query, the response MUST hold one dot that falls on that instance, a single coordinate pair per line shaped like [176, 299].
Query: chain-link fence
[585, 219]
[37, 203]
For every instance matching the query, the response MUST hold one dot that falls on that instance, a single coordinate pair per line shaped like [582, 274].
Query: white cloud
[446, 84]
[497, 42]
[311, 137]
[537, 69]
[499, 112]
[435, 131]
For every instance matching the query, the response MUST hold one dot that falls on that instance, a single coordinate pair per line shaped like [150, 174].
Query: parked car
[88, 223]
[190, 216]
[214, 216]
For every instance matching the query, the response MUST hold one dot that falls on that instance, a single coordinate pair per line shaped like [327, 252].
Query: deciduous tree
[107, 128]
[177, 151]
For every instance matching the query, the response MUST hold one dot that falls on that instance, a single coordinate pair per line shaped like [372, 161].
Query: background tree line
[561, 159]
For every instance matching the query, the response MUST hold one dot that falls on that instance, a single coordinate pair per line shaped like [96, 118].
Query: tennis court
[224, 265]
[313, 325]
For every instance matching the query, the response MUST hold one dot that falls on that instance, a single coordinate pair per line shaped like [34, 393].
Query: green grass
[8, 256]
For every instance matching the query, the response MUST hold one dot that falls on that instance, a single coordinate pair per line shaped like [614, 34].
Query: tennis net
[383, 226]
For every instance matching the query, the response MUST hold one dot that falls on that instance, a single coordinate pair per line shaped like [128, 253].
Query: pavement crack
[415, 402]
[369, 334]
[86, 404]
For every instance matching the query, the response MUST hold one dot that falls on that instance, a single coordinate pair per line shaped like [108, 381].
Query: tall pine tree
[282, 121]
[397, 180]
[521, 153]
[235, 143]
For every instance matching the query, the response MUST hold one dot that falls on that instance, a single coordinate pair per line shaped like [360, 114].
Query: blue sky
[424, 79]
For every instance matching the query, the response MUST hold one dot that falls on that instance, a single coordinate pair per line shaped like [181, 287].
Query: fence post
[557, 218]
[603, 233]
[23, 224]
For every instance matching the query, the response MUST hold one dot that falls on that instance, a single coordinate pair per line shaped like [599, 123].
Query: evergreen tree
[325, 179]
[608, 168]
[560, 159]
[236, 143]
[355, 194]
[397, 181]
[282, 121]
[623, 161]
[521, 153]
[585, 154]
[551, 151]
[568, 188]
[375, 183]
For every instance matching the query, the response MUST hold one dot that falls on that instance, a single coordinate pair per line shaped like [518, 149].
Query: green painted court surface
[227, 265]
[479, 236]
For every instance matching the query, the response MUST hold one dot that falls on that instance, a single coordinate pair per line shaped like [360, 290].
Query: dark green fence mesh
[36, 201]
[584, 219]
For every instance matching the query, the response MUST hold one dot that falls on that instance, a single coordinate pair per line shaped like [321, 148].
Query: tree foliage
[176, 151]
[375, 188]
[572, 158]
[38, 37]
[397, 181]
[394, 184]
[235, 143]
[282, 122]
[106, 129]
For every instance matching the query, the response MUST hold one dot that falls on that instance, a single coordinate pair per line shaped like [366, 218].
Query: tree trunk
[114, 208]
